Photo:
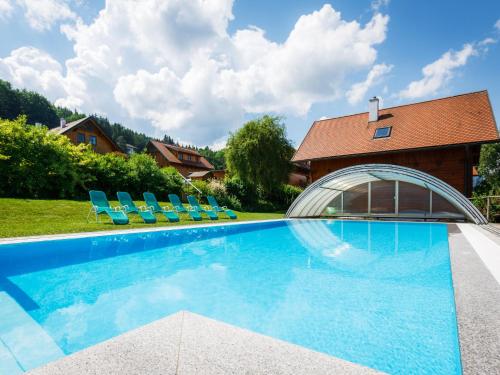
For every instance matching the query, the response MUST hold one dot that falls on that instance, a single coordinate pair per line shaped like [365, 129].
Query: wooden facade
[453, 165]
[88, 131]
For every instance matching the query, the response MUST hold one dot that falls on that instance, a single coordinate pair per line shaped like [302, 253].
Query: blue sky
[198, 71]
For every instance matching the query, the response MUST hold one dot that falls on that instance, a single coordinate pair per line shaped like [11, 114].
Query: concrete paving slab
[151, 349]
[186, 343]
[212, 347]
[477, 299]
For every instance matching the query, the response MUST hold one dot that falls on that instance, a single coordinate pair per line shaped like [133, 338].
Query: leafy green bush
[288, 193]
[246, 193]
[35, 163]
[219, 191]
[174, 182]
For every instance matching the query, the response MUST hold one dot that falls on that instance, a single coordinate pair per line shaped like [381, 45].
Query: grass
[30, 217]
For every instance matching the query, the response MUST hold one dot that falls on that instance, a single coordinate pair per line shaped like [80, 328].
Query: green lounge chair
[179, 207]
[215, 206]
[154, 206]
[100, 205]
[197, 207]
[129, 207]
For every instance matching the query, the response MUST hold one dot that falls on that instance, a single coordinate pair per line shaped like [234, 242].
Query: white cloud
[6, 9]
[33, 68]
[43, 14]
[174, 65]
[359, 90]
[438, 73]
[497, 24]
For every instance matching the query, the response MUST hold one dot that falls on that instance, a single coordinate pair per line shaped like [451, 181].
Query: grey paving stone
[477, 299]
[151, 349]
[212, 347]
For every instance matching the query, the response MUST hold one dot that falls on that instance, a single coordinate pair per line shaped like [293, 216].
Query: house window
[93, 140]
[180, 156]
[80, 138]
[189, 157]
[384, 132]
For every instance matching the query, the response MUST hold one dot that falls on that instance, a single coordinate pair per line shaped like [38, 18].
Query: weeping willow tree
[259, 153]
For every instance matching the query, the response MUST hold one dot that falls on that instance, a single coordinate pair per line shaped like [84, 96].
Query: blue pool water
[375, 293]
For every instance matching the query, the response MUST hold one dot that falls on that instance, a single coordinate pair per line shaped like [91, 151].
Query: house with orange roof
[87, 130]
[441, 137]
[184, 159]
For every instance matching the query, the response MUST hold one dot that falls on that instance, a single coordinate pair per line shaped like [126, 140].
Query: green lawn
[28, 217]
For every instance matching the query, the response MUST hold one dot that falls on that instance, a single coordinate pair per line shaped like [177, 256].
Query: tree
[10, 107]
[489, 168]
[259, 153]
[216, 158]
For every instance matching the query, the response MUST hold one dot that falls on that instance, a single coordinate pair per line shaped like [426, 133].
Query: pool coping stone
[477, 301]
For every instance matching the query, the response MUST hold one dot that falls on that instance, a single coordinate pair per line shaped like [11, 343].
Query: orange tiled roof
[166, 151]
[460, 119]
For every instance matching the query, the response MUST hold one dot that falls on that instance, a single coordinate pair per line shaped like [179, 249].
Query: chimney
[62, 122]
[373, 109]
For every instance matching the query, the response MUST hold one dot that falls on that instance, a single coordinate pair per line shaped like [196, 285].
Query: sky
[198, 69]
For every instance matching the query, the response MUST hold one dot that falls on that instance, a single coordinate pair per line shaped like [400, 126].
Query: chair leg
[88, 215]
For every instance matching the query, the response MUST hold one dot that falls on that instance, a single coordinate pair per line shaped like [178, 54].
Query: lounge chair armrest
[166, 208]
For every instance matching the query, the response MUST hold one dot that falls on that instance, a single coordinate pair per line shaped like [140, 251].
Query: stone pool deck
[186, 343]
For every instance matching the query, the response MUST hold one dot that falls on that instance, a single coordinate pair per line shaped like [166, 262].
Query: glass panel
[80, 138]
[441, 207]
[383, 193]
[413, 199]
[334, 207]
[93, 140]
[382, 132]
[356, 200]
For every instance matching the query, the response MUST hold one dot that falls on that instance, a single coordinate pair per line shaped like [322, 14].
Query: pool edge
[477, 301]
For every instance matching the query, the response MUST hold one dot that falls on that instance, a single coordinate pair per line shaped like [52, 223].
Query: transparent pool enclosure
[384, 190]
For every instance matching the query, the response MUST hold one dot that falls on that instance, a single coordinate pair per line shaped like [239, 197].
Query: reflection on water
[374, 293]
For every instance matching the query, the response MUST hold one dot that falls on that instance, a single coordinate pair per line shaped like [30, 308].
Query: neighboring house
[441, 137]
[130, 149]
[185, 160]
[218, 174]
[87, 130]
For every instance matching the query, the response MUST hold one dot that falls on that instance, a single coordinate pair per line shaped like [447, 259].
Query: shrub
[173, 181]
[219, 191]
[289, 193]
[36, 163]
[246, 193]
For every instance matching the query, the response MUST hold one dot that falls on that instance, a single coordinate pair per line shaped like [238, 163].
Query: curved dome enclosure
[383, 190]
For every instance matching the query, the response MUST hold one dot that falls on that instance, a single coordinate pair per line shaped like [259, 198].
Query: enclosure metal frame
[316, 197]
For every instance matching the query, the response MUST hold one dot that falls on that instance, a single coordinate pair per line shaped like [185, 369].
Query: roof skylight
[384, 132]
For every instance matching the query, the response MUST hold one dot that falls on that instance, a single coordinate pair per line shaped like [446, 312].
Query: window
[80, 138]
[189, 157]
[179, 155]
[383, 195]
[93, 140]
[384, 132]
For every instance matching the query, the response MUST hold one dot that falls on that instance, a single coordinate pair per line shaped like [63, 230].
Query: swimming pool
[375, 293]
